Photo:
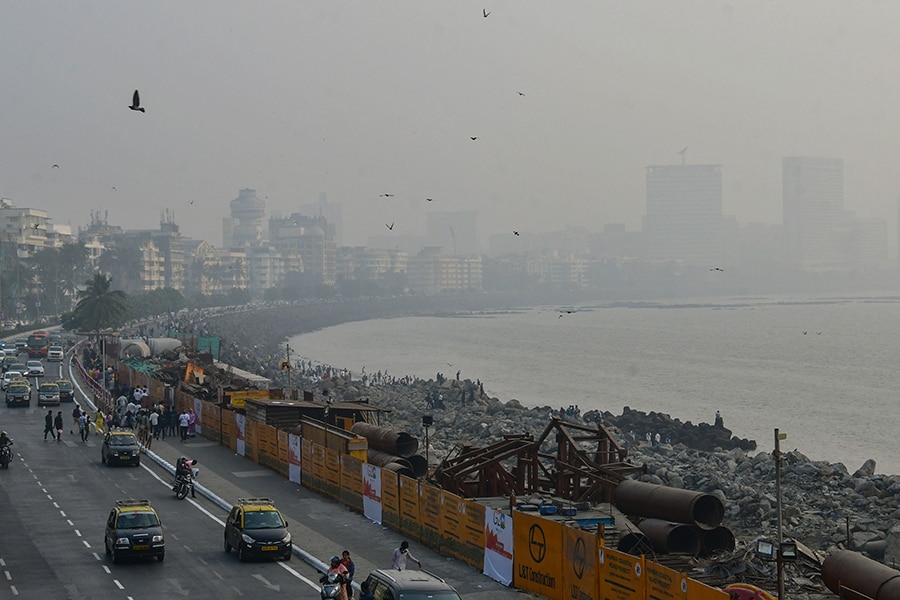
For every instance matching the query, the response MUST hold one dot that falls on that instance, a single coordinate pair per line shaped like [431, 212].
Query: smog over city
[539, 116]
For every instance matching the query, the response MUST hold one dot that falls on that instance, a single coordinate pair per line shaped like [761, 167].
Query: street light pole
[779, 562]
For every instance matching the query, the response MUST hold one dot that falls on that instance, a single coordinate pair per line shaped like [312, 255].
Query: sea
[822, 370]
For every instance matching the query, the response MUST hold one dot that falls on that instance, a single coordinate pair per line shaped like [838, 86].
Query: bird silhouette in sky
[804, 333]
[716, 269]
[429, 199]
[387, 196]
[36, 226]
[515, 232]
[136, 102]
[55, 167]
[485, 12]
[391, 226]
[473, 138]
[113, 188]
[521, 93]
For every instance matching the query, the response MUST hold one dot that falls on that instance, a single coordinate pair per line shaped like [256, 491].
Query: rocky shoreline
[826, 506]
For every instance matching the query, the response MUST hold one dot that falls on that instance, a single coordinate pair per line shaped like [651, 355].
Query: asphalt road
[56, 496]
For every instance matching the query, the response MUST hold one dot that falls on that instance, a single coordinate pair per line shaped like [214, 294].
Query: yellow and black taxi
[18, 393]
[48, 394]
[120, 447]
[256, 529]
[133, 530]
[66, 390]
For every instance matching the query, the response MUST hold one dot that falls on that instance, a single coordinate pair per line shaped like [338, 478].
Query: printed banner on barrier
[198, 416]
[539, 557]
[580, 555]
[241, 422]
[621, 575]
[294, 445]
[498, 546]
[372, 492]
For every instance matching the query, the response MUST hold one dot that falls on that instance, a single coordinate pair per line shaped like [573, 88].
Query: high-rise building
[248, 214]
[815, 223]
[684, 213]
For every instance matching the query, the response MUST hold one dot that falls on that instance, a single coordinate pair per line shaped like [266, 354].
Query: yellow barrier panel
[430, 515]
[462, 529]
[307, 465]
[390, 500]
[621, 575]
[664, 583]
[332, 474]
[409, 506]
[251, 443]
[580, 555]
[538, 555]
[284, 459]
[268, 446]
[701, 591]
[351, 483]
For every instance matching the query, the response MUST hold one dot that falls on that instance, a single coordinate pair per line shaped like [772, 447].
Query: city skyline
[377, 107]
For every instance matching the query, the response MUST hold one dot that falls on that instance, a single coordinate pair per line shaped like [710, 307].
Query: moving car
[66, 390]
[133, 529]
[34, 368]
[55, 353]
[387, 583]
[9, 359]
[48, 394]
[255, 528]
[18, 393]
[120, 447]
[21, 344]
[8, 377]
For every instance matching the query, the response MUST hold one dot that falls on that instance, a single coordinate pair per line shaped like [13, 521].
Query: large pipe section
[852, 576]
[720, 539]
[671, 538]
[631, 539]
[669, 504]
[387, 440]
[379, 458]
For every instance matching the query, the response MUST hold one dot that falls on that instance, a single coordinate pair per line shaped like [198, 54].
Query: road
[56, 496]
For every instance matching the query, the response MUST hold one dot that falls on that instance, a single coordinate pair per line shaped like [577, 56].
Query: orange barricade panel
[229, 430]
[409, 506]
[351, 483]
[664, 583]
[307, 466]
[538, 555]
[390, 500]
[251, 443]
[621, 575]
[332, 473]
[701, 591]
[430, 515]
[580, 555]
[462, 529]
[267, 442]
[284, 453]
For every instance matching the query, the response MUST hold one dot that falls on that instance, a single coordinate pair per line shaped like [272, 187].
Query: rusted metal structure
[386, 439]
[853, 576]
[568, 460]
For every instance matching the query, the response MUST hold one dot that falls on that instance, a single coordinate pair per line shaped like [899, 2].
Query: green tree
[99, 306]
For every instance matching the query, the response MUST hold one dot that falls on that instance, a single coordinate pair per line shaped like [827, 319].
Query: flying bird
[55, 167]
[36, 226]
[515, 233]
[804, 333]
[473, 138]
[387, 196]
[429, 199]
[716, 269]
[521, 93]
[391, 226]
[136, 102]
[485, 12]
[113, 188]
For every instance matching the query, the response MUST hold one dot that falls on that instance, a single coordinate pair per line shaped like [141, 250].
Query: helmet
[3, 434]
[335, 560]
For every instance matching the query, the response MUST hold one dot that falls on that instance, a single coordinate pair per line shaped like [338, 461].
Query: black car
[120, 447]
[18, 393]
[133, 529]
[65, 390]
[256, 529]
[389, 584]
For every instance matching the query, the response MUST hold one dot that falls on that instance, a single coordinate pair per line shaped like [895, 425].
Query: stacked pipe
[392, 449]
[852, 576]
[676, 520]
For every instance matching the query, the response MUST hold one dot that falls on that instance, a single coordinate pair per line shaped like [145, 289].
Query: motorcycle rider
[338, 567]
[184, 468]
[5, 442]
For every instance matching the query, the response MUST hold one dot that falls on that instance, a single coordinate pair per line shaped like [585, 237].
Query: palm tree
[99, 306]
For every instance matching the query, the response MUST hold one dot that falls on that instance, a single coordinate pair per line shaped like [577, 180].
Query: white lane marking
[216, 573]
[2, 563]
[14, 590]
[46, 492]
[116, 581]
[63, 513]
[55, 505]
[8, 575]
[97, 556]
[85, 542]
[78, 533]
[106, 568]
[314, 585]
[69, 521]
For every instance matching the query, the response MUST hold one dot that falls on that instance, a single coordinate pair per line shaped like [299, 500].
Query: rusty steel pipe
[716, 540]
[419, 465]
[669, 504]
[399, 469]
[379, 458]
[631, 539]
[852, 576]
[671, 538]
[387, 440]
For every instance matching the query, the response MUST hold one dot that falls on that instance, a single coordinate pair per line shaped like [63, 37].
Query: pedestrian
[183, 421]
[365, 592]
[48, 425]
[400, 556]
[657, 438]
[76, 415]
[192, 423]
[58, 424]
[351, 569]
[83, 424]
[154, 424]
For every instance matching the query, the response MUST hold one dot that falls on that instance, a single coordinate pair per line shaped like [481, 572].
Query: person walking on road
[183, 422]
[400, 556]
[351, 569]
[76, 416]
[84, 426]
[59, 425]
[48, 425]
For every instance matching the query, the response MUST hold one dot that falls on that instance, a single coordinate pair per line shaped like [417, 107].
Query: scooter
[331, 585]
[5, 456]
[184, 484]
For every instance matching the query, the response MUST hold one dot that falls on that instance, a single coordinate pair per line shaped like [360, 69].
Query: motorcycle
[331, 585]
[5, 456]
[184, 483]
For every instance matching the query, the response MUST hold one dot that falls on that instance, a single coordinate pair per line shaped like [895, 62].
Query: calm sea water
[822, 370]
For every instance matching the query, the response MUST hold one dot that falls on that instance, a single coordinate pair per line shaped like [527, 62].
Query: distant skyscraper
[248, 213]
[815, 224]
[684, 213]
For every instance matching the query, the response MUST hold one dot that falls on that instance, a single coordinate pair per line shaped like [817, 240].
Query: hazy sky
[358, 99]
